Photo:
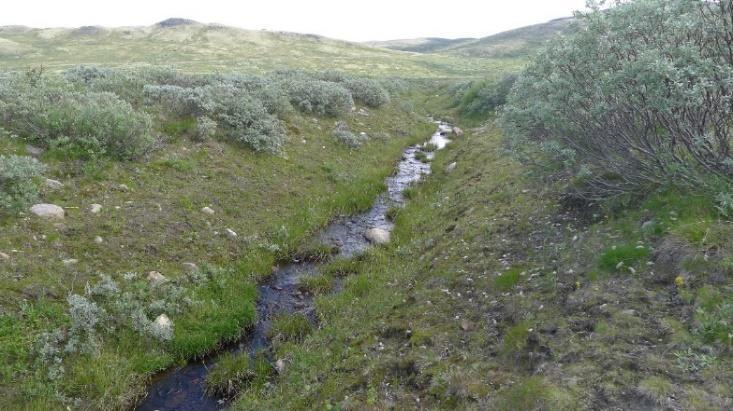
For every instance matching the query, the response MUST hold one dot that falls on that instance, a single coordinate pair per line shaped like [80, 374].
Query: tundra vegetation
[572, 250]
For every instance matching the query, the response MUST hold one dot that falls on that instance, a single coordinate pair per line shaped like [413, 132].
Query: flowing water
[182, 388]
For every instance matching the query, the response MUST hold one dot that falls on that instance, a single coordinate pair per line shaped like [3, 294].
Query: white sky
[349, 20]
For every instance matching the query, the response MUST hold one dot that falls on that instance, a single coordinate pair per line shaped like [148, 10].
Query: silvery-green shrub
[343, 134]
[19, 178]
[205, 128]
[640, 94]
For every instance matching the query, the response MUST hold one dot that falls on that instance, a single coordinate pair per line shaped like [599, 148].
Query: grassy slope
[492, 297]
[198, 47]
[157, 225]
[420, 45]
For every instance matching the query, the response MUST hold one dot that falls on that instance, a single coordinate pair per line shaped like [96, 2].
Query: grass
[426, 319]
[234, 372]
[290, 328]
[273, 203]
[626, 255]
[204, 48]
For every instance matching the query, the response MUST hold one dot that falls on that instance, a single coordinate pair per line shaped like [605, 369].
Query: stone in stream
[377, 235]
[48, 211]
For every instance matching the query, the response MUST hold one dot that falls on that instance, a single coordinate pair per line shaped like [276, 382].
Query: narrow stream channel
[182, 388]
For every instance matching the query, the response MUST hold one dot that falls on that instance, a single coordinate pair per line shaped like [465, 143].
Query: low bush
[322, 98]
[205, 128]
[483, 98]
[343, 134]
[19, 178]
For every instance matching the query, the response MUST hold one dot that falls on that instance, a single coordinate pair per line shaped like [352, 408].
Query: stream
[182, 388]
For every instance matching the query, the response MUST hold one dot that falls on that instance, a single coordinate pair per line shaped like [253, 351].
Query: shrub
[318, 97]
[636, 97]
[367, 91]
[205, 128]
[343, 134]
[484, 97]
[18, 181]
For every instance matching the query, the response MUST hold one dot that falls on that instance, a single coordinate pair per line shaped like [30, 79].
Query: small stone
[70, 261]
[466, 325]
[450, 167]
[95, 208]
[190, 267]
[33, 150]
[163, 327]
[156, 278]
[123, 187]
[53, 184]
[48, 211]
[4, 256]
[207, 210]
[457, 132]
[377, 235]
[98, 240]
[280, 366]
[230, 233]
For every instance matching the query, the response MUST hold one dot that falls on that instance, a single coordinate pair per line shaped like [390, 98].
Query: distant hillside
[515, 43]
[209, 47]
[420, 45]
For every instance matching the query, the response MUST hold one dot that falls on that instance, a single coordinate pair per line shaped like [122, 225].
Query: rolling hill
[211, 47]
[515, 43]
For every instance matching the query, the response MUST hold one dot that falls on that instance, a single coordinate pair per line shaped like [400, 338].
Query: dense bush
[18, 181]
[319, 97]
[205, 128]
[482, 98]
[50, 113]
[637, 96]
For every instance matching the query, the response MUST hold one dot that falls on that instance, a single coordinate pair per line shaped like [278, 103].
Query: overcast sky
[349, 20]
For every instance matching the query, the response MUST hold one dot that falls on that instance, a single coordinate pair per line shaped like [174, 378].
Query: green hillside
[211, 47]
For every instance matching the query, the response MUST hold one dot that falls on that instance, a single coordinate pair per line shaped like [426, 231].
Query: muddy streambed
[182, 388]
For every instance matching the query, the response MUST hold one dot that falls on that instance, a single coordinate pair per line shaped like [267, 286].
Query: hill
[515, 43]
[212, 47]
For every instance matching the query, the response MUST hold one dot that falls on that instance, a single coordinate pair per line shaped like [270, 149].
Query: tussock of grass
[234, 372]
[290, 328]
[628, 254]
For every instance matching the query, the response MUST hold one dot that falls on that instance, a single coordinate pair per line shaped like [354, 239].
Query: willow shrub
[633, 98]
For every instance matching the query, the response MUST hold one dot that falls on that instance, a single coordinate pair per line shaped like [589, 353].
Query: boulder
[53, 184]
[48, 211]
[457, 132]
[98, 240]
[95, 208]
[156, 278]
[207, 210]
[4, 256]
[230, 233]
[190, 267]
[377, 235]
[450, 167]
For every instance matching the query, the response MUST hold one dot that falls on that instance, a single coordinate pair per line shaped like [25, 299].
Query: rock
[123, 187]
[377, 236]
[457, 132]
[647, 225]
[53, 184]
[98, 240]
[190, 267]
[4, 256]
[156, 278]
[34, 151]
[230, 233]
[207, 210]
[162, 327]
[466, 325]
[70, 261]
[280, 366]
[95, 208]
[48, 211]
[450, 167]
